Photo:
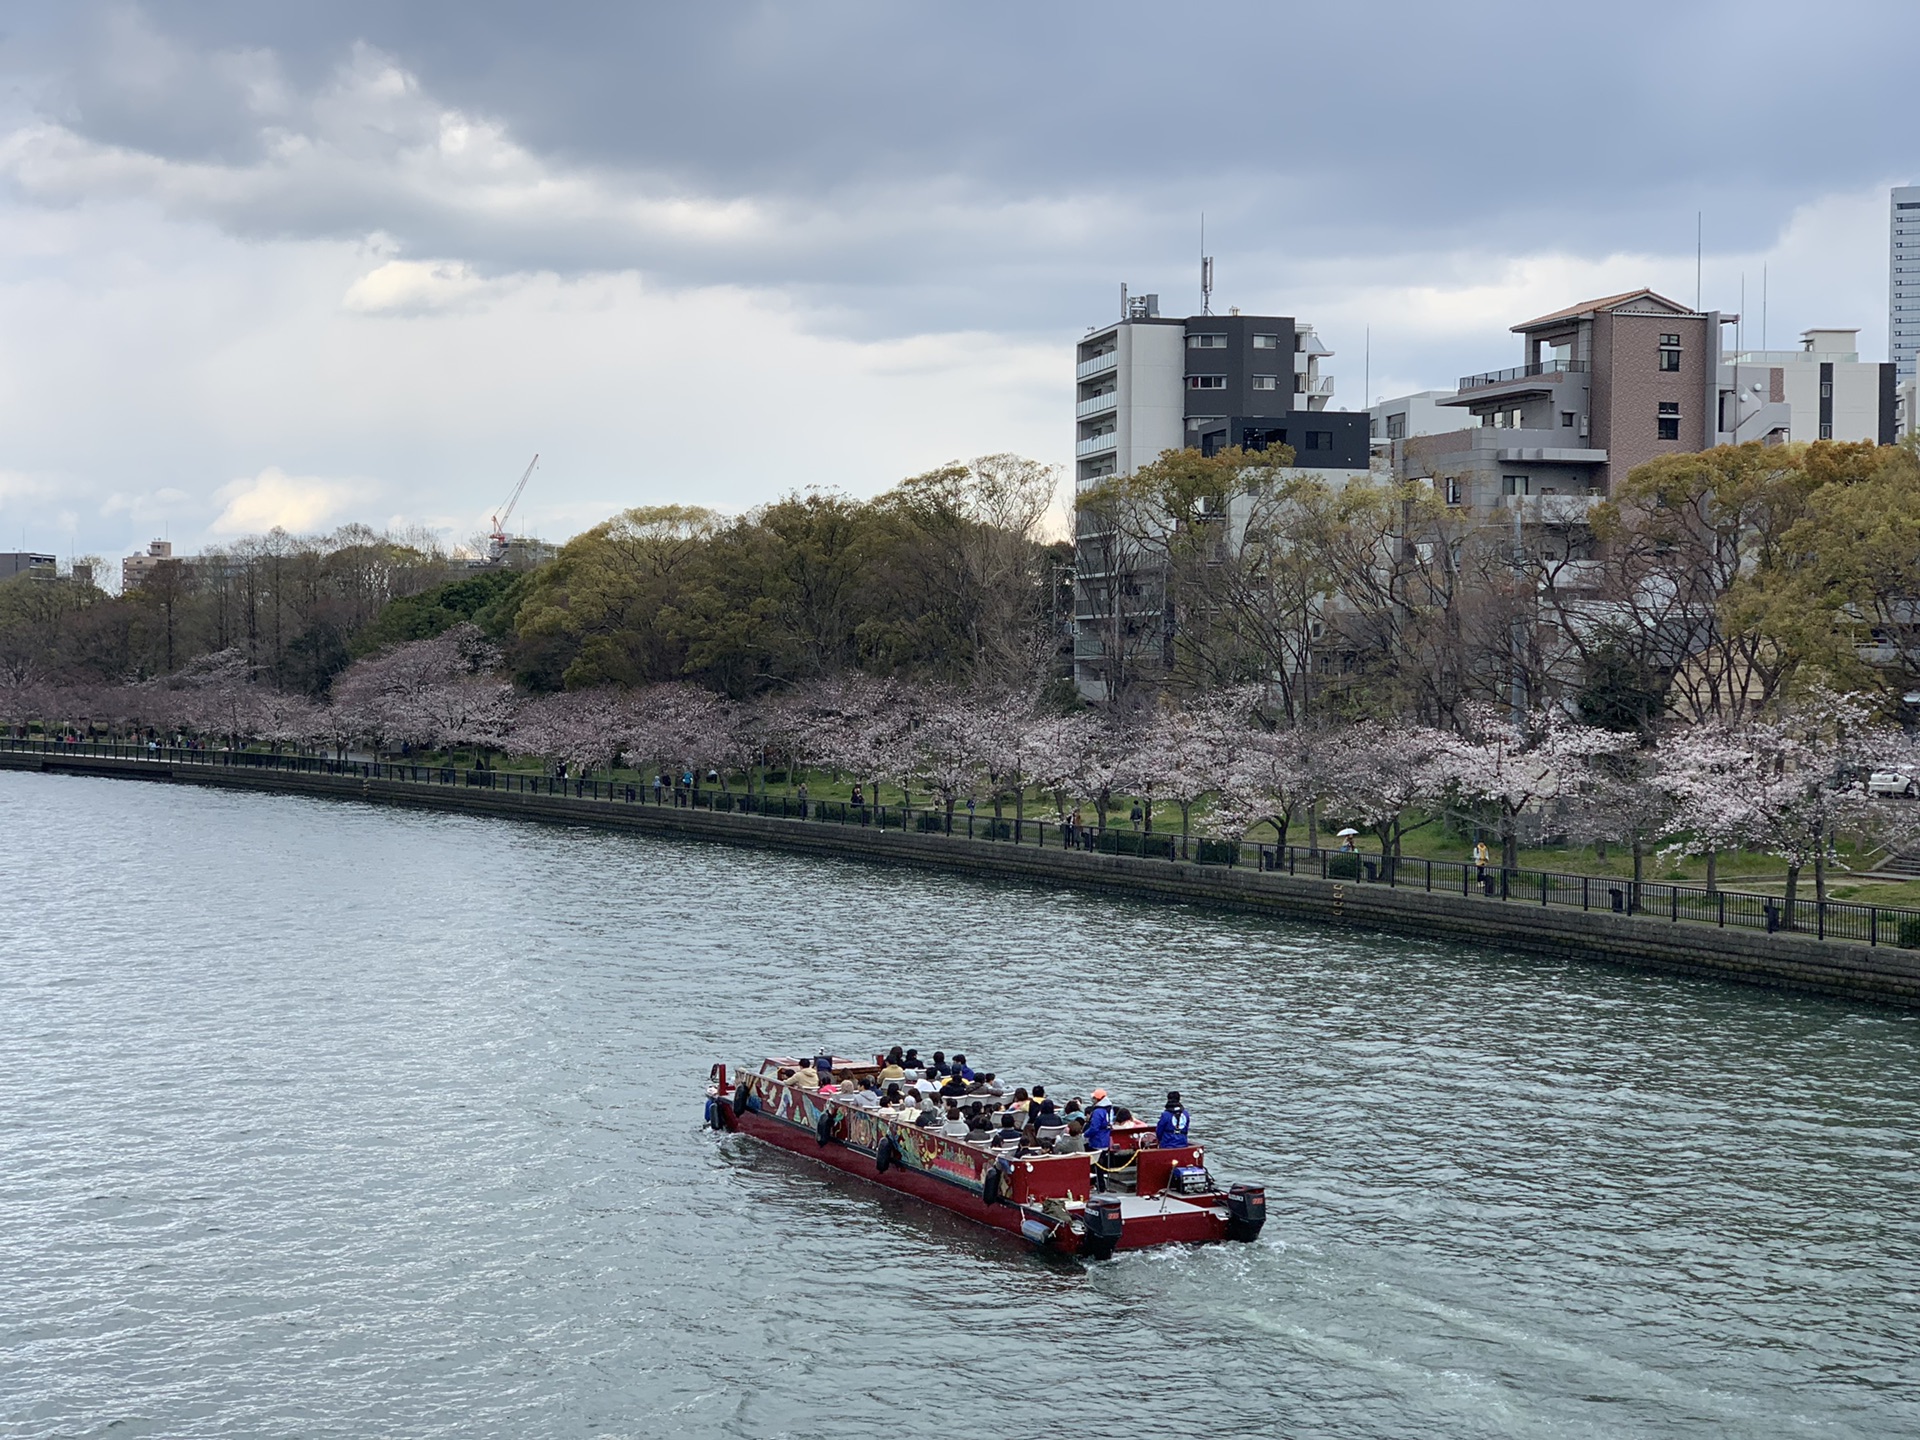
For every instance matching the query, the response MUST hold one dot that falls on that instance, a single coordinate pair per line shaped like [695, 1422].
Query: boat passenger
[1038, 1102]
[892, 1070]
[912, 1062]
[806, 1077]
[1008, 1133]
[1099, 1122]
[987, 1085]
[783, 1074]
[1171, 1132]
[891, 1099]
[956, 1126]
[960, 1067]
[939, 1066]
[954, 1086]
[1030, 1143]
[1074, 1142]
[1020, 1098]
[860, 1096]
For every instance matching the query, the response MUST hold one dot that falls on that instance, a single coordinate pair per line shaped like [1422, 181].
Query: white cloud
[416, 287]
[275, 500]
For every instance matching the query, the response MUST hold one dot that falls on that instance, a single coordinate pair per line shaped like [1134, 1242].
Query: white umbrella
[1349, 831]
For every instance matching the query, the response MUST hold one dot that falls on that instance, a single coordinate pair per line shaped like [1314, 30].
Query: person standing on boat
[1171, 1132]
[961, 1069]
[1099, 1122]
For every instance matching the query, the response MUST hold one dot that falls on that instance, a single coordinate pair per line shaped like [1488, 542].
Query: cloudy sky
[299, 264]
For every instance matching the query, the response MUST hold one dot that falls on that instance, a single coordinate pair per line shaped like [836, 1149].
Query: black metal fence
[1695, 904]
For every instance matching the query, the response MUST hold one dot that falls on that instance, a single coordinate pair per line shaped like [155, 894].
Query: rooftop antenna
[1699, 232]
[1366, 370]
[1206, 270]
[1763, 305]
[1123, 299]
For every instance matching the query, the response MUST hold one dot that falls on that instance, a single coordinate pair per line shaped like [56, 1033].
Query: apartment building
[136, 570]
[1149, 383]
[1903, 289]
[25, 562]
[1406, 416]
[1829, 392]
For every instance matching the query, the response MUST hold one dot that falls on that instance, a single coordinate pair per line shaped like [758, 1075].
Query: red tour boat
[1133, 1196]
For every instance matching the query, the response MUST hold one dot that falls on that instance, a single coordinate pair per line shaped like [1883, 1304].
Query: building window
[1566, 419]
[1514, 484]
[1826, 389]
[1826, 430]
[1397, 427]
[1453, 491]
[1266, 342]
[1670, 353]
[1206, 342]
[1206, 382]
[1266, 382]
[1669, 420]
[1319, 440]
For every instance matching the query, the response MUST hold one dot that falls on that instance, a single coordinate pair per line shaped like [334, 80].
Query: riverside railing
[1676, 902]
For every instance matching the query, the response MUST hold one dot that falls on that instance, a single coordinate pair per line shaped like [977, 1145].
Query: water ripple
[329, 1120]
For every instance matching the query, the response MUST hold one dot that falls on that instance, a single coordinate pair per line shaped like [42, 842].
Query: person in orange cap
[1099, 1122]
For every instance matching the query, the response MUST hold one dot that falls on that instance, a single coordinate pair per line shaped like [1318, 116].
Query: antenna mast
[1206, 270]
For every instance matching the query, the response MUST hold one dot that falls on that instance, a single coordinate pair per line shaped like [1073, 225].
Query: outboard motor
[1101, 1223]
[1246, 1211]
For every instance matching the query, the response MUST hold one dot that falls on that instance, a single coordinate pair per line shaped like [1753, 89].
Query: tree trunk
[1820, 873]
[1713, 871]
[1639, 872]
[1313, 828]
[1793, 887]
[1509, 845]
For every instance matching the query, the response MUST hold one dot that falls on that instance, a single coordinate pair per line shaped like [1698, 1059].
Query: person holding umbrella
[1346, 840]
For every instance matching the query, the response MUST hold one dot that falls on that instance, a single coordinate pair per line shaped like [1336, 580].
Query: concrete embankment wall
[1882, 974]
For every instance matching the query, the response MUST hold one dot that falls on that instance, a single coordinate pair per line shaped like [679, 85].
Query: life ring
[712, 1120]
[887, 1154]
[827, 1129]
[740, 1098]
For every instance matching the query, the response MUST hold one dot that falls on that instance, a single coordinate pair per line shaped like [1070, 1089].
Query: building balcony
[1096, 444]
[1552, 509]
[1097, 404]
[1098, 365]
[1551, 368]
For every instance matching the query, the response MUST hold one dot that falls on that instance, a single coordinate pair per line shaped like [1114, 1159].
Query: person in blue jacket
[1099, 1122]
[1171, 1132]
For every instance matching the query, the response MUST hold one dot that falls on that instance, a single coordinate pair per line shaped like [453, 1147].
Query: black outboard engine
[1246, 1211]
[1101, 1223]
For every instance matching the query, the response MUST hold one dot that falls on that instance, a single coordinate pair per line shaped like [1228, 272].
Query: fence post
[1820, 920]
[1543, 887]
[1586, 887]
[1873, 925]
[1429, 877]
[1673, 898]
[1723, 908]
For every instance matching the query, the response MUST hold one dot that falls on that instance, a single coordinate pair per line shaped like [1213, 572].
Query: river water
[319, 1119]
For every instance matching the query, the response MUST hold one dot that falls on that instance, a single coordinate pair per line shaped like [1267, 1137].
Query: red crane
[497, 540]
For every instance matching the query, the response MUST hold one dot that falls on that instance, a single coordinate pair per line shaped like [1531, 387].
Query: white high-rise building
[1903, 294]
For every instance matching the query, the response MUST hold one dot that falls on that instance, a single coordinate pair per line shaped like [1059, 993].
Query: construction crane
[497, 540]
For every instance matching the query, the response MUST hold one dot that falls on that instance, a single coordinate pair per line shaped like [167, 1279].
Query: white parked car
[1888, 783]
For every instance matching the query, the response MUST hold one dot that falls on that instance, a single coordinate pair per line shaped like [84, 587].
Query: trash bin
[1486, 883]
[1773, 917]
[1373, 872]
[1619, 898]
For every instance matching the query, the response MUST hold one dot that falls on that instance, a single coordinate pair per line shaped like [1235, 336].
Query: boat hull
[1152, 1221]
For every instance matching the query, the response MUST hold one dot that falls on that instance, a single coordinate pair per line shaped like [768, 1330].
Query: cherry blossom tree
[1374, 775]
[1521, 768]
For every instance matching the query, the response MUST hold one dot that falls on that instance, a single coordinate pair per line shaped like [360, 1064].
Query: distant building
[25, 562]
[1830, 394]
[1404, 416]
[1903, 289]
[135, 570]
[1146, 384]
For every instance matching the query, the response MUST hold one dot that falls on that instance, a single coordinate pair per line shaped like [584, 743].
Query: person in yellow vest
[1480, 859]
